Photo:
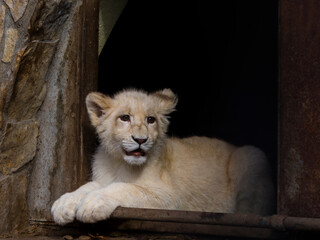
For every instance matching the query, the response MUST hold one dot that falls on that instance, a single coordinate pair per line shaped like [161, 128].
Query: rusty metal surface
[137, 220]
[198, 229]
[299, 120]
[230, 219]
[275, 222]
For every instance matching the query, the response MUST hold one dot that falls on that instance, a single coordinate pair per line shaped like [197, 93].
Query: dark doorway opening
[220, 57]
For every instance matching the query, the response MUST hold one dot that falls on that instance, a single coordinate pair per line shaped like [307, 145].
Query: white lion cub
[137, 165]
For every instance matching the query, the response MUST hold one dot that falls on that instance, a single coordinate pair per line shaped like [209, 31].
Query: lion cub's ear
[167, 100]
[97, 103]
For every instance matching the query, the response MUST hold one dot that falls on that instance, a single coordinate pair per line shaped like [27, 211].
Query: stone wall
[42, 90]
[48, 64]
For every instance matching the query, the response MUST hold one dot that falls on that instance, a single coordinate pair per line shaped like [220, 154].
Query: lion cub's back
[223, 177]
[199, 169]
[201, 157]
[204, 150]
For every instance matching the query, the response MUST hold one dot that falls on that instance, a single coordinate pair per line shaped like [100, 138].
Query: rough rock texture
[18, 146]
[17, 8]
[2, 15]
[19, 130]
[31, 75]
[13, 211]
[10, 43]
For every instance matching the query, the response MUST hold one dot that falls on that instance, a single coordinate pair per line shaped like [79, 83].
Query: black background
[220, 57]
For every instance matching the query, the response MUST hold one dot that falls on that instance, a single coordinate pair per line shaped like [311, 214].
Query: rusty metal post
[299, 119]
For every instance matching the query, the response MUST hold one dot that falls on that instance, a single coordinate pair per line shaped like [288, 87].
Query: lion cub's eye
[125, 118]
[151, 120]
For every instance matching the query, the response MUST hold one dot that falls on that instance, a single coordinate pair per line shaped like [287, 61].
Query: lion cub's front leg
[99, 204]
[64, 209]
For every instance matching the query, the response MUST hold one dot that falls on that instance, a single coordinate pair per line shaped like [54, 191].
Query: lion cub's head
[131, 124]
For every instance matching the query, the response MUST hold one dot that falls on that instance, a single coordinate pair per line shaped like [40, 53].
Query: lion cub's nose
[140, 140]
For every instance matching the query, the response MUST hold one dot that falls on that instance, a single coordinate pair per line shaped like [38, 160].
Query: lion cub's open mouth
[137, 153]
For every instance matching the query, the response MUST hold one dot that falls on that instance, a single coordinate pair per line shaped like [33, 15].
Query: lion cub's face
[131, 124]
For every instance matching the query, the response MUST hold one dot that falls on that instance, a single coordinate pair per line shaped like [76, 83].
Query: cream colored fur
[195, 173]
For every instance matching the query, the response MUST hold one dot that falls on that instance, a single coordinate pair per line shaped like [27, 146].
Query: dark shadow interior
[220, 57]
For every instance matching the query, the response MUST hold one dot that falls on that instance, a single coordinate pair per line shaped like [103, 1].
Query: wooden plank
[66, 139]
[89, 79]
[58, 148]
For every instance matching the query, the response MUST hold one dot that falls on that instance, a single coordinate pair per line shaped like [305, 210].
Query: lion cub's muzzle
[136, 149]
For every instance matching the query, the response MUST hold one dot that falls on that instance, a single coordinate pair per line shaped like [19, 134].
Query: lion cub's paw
[95, 207]
[64, 209]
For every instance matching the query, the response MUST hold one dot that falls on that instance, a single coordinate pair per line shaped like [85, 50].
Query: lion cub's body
[138, 166]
